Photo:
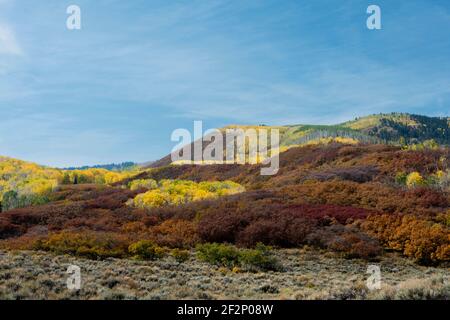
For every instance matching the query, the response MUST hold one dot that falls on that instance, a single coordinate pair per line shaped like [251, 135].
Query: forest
[25, 184]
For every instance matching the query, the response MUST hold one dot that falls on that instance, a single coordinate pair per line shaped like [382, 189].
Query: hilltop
[403, 128]
[392, 128]
[123, 166]
[399, 129]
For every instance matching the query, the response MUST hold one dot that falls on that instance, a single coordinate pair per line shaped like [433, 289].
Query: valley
[372, 191]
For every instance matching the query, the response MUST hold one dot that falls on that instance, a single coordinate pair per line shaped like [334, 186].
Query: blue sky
[116, 89]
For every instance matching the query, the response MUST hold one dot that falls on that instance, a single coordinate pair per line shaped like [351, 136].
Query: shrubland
[356, 200]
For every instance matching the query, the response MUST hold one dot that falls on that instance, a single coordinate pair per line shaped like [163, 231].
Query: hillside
[25, 183]
[124, 166]
[403, 127]
[334, 202]
[329, 192]
[394, 128]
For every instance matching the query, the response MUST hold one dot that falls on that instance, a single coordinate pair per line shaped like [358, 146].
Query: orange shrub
[425, 241]
[135, 227]
[175, 233]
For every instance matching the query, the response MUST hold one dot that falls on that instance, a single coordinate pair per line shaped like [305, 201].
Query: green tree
[66, 178]
[10, 200]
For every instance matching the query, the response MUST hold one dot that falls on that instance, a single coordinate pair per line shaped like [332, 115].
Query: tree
[10, 200]
[414, 179]
[66, 178]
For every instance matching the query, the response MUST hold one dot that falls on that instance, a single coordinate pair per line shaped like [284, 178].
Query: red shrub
[347, 240]
[427, 197]
[285, 232]
[8, 229]
[273, 224]
[355, 173]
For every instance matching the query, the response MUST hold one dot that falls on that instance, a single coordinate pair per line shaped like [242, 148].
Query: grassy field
[305, 274]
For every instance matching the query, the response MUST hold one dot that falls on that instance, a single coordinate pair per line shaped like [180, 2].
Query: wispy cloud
[139, 69]
[8, 41]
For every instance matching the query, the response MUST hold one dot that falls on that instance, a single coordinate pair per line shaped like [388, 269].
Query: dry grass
[306, 274]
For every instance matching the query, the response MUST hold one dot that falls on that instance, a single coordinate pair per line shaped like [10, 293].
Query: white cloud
[8, 42]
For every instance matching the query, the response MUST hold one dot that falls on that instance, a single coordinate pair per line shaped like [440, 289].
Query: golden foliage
[176, 192]
[24, 183]
[414, 179]
[87, 244]
[148, 184]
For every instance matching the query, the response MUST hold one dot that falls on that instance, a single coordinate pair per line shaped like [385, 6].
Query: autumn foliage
[175, 233]
[352, 199]
[24, 184]
[86, 244]
[423, 240]
[176, 192]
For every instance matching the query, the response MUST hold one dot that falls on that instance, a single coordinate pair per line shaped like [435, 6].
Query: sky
[137, 70]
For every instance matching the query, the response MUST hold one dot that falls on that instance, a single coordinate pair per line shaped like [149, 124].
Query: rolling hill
[341, 202]
[400, 129]
[403, 127]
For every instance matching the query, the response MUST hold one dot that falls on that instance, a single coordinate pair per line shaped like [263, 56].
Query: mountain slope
[408, 128]
[333, 196]
[25, 183]
[392, 128]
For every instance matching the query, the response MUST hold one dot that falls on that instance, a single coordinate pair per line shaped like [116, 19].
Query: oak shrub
[424, 240]
[146, 250]
[180, 255]
[85, 244]
[259, 258]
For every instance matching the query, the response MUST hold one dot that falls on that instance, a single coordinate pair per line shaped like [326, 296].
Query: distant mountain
[111, 167]
[391, 128]
[403, 127]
